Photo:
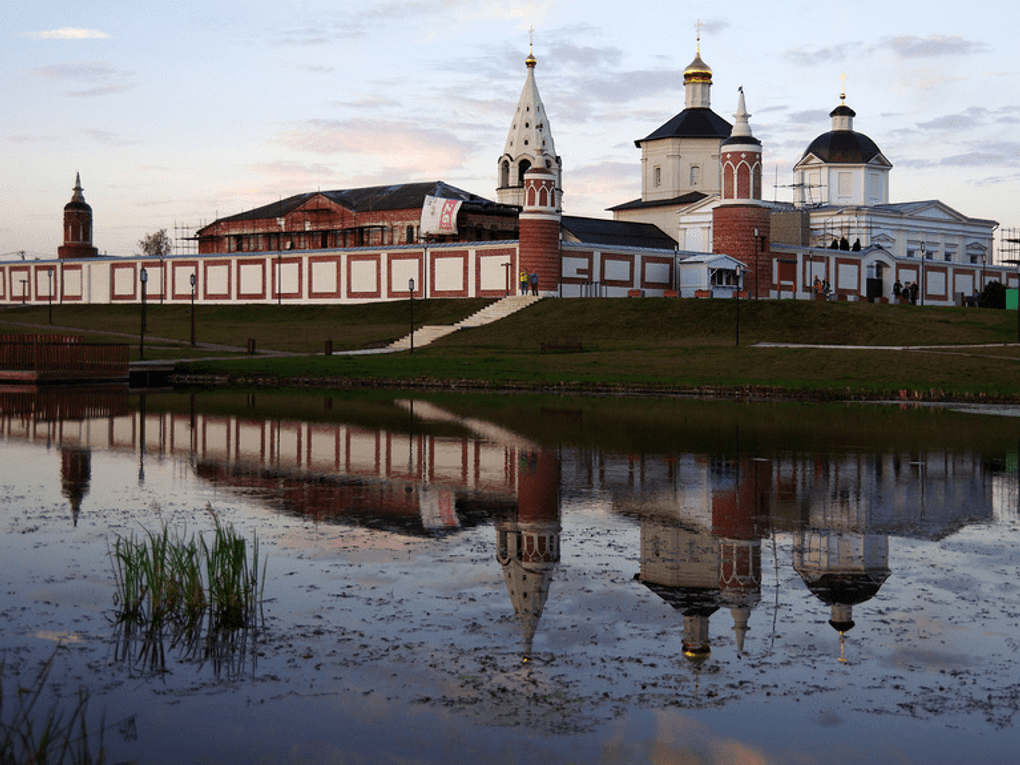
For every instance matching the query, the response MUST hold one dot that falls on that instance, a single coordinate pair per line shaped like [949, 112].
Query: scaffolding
[1009, 245]
[185, 241]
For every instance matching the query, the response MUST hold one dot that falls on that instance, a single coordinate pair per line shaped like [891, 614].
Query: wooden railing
[70, 358]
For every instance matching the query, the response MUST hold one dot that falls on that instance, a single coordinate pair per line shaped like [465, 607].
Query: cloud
[901, 46]
[102, 77]
[806, 58]
[109, 139]
[425, 149]
[932, 46]
[68, 33]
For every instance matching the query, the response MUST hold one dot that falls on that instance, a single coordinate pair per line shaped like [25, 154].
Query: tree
[993, 295]
[156, 245]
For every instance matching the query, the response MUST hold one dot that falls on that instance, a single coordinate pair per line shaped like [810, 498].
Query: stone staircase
[498, 310]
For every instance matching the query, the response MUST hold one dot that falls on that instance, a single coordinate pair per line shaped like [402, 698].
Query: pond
[454, 578]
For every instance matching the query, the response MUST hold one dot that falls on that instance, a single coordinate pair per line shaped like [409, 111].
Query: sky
[176, 113]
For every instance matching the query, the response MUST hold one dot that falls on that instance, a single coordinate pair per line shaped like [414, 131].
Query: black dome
[692, 123]
[843, 147]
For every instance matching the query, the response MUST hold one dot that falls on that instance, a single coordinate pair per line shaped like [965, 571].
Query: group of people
[529, 280]
[822, 289]
[906, 291]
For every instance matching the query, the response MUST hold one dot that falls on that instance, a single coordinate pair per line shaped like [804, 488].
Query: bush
[993, 296]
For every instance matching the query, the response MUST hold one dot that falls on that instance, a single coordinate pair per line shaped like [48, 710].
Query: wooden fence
[60, 357]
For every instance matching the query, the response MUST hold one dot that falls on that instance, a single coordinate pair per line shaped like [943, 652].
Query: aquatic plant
[165, 580]
[57, 735]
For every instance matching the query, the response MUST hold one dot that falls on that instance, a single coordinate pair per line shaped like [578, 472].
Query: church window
[504, 174]
[527, 125]
[525, 141]
[657, 176]
[846, 184]
[695, 175]
[410, 231]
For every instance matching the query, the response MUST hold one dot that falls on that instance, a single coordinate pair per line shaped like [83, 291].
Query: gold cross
[842, 87]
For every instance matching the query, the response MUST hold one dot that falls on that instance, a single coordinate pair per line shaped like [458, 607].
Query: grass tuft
[187, 590]
[57, 735]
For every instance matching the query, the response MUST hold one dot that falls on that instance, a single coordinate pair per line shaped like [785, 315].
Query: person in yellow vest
[524, 282]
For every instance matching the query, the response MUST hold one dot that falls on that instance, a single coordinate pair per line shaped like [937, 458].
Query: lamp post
[507, 267]
[920, 287]
[410, 289]
[192, 309]
[24, 291]
[756, 294]
[51, 293]
[144, 278]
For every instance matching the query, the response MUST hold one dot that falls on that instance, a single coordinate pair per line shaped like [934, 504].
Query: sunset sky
[176, 113]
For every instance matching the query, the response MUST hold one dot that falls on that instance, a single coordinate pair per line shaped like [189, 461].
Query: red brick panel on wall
[436, 289]
[279, 264]
[252, 289]
[358, 262]
[180, 279]
[124, 281]
[509, 255]
[399, 265]
[647, 282]
[611, 264]
[318, 285]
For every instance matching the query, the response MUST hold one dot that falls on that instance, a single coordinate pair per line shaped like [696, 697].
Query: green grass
[650, 344]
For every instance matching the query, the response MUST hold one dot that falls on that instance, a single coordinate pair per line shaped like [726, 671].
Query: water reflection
[432, 471]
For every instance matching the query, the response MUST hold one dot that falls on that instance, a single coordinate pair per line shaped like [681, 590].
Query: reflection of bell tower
[75, 474]
[528, 540]
[736, 517]
[680, 564]
[840, 562]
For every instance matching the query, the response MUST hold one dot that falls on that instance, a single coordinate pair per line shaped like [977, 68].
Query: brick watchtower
[77, 226]
[741, 225]
[540, 227]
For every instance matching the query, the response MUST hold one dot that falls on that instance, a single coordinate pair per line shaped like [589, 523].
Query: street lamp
[507, 267]
[410, 289]
[920, 287]
[51, 294]
[192, 309]
[144, 278]
[24, 291]
[756, 293]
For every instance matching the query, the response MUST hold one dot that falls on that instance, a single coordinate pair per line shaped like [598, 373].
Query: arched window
[522, 167]
[504, 173]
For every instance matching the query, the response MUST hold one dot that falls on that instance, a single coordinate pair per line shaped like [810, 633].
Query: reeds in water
[167, 582]
[57, 735]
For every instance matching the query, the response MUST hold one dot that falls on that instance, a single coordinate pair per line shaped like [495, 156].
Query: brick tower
[741, 222]
[540, 226]
[77, 226]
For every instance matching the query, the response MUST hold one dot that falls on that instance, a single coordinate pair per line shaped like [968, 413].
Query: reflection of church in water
[702, 518]
[62, 419]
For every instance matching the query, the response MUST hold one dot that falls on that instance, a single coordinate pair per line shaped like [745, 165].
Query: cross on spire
[699, 26]
[842, 87]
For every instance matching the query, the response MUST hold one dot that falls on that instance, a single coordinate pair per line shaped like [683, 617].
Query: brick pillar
[733, 227]
[540, 230]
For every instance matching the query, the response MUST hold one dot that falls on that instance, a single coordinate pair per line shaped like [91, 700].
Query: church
[700, 229]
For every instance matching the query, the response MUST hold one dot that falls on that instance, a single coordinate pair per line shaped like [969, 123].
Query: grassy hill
[652, 344]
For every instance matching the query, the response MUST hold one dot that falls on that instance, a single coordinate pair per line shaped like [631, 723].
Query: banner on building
[439, 216]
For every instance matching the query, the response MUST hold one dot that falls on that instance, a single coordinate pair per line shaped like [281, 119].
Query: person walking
[534, 283]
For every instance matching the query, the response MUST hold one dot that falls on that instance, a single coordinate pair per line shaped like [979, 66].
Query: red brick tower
[540, 227]
[77, 226]
[741, 222]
